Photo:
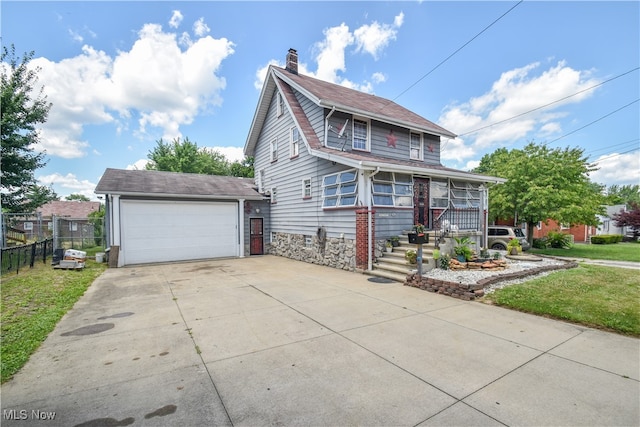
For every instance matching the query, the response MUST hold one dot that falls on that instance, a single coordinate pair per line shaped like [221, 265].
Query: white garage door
[159, 231]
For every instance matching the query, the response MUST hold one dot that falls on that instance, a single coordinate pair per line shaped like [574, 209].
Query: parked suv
[499, 236]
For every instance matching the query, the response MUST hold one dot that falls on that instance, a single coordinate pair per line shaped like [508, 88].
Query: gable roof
[331, 95]
[68, 208]
[177, 185]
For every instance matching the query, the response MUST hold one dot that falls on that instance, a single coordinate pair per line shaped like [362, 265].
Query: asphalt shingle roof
[183, 185]
[68, 208]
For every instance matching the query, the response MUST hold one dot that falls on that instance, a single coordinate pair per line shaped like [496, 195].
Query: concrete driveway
[271, 341]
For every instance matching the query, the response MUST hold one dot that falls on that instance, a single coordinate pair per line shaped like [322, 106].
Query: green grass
[601, 297]
[32, 303]
[615, 252]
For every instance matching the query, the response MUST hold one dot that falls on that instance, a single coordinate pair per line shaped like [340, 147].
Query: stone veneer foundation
[333, 252]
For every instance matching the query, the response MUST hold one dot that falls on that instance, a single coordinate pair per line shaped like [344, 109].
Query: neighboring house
[72, 214]
[580, 233]
[608, 224]
[345, 170]
[154, 216]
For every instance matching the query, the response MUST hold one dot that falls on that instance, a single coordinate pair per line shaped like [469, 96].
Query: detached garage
[154, 216]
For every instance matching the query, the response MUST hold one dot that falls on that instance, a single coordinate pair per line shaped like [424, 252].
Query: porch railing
[458, 219]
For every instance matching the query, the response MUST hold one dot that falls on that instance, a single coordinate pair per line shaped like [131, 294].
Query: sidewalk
[272, 341]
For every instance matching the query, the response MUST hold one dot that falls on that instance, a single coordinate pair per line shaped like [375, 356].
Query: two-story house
[345, 170]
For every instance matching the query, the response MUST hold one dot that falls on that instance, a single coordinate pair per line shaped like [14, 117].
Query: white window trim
[353, 133]
[273, 149]
[420, 148]
[395, 195]
[274, 195]
[294, 143]
[338, 185]
[305, 187]
[260, 179]
[73, 226]
[27, 226]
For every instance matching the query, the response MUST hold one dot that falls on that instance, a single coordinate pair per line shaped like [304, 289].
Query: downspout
[241, 227]
[369, 218]
[326, 126]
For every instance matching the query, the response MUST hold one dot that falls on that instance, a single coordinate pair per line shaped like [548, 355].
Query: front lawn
[32, 303]
[614, 252]
[600, 297]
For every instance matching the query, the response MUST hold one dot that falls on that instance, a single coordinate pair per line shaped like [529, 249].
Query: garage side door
[160, 231]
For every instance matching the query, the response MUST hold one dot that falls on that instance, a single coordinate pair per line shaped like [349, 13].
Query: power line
[593, 122]
[616, 155]
[611, 146]
[551, 103]
[457, 50]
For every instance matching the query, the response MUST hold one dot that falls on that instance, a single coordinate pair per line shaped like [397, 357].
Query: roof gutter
[178, 196]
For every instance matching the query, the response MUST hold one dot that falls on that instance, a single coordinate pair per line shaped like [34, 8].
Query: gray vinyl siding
[293, 214]
[379, 144]
[392, 222]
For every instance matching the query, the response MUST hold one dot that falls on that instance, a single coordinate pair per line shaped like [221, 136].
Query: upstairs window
[392, 189]
[279, 105]
[274, 149]
[340, 189]
[295, 142]
[274, 195]
[360, 135]
[415, 142]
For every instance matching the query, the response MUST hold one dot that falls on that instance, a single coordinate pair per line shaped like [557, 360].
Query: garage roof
[176, 185]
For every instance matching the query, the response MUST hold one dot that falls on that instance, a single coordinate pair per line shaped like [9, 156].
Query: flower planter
[418, 239]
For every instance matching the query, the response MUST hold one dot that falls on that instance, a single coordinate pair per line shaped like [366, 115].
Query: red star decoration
[430, 147]
[391, 139]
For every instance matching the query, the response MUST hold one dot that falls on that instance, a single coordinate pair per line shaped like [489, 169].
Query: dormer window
[360, 135]
[415, 141]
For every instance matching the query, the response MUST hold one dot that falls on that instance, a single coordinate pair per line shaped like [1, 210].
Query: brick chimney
[292, 61]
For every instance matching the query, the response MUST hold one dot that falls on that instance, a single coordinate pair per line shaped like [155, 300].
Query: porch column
[362, 237]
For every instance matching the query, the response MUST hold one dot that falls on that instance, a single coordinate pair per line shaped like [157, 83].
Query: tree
[96, 218]
[36, 196]
[79, 197]
[542, 184]
[630, 218]
[626, 194]
[185, 156]
[243, 168]
[23, 108]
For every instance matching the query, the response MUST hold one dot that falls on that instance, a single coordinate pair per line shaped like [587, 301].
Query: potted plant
[462, 249]
[395, 241]
[411, 256]
[418, 236]
[389, 246]
[514, 247]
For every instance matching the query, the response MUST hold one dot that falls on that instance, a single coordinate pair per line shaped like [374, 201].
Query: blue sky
[122, 75]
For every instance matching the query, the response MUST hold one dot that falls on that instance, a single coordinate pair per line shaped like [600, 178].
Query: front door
[421, 202]
[256, 246]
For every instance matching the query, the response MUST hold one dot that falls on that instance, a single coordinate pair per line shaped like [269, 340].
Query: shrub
[558, 240]
[540, 243]
[444, 262]
[606, 239]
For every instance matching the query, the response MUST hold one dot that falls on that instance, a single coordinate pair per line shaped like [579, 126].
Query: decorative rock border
[470, 292]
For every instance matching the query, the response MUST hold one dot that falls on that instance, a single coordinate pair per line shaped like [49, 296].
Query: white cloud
[330, 53]
[155, 81]
[373, 38]
[139, 165]
[231, 153]
[200, 29]
[176, 19]
[515, 93]
[68, 184]
[614, 168]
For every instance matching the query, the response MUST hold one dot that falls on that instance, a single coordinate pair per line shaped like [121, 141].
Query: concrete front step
[388, 275]
[396, 268]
